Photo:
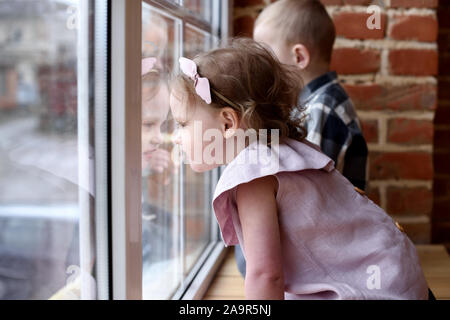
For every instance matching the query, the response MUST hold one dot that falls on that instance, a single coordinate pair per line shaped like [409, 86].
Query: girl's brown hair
[264, 91]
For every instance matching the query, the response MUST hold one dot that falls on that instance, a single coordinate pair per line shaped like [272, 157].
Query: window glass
[195, 41]
[177, 210]
[45, 180]
[161, 216]
[200, 8]
[198, 186]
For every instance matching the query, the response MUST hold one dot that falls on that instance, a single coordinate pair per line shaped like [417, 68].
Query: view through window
[177, 225]
[46, 156]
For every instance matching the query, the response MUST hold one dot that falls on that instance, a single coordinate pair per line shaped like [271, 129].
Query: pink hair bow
[147, 65]
[189, 68]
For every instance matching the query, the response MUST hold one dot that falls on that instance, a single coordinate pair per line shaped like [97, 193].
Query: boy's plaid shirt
[332, 124]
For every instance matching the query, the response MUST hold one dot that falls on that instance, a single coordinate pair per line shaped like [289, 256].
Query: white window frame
[126, 212]
[125, 149]
[93, 171]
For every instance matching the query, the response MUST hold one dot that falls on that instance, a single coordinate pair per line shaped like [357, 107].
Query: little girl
[304, 230]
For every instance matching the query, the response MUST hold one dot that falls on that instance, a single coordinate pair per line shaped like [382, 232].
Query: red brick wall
[391, 75]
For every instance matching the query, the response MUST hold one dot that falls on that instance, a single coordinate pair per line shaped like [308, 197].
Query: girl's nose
[156, 138]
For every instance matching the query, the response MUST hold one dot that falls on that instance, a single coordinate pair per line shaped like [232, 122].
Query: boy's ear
[302, 58]
[229, 120]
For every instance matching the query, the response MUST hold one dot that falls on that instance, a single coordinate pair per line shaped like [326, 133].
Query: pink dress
[337, 244]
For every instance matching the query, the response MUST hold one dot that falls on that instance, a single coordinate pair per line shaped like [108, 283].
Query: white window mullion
[182, 235]
[226, 19]
[85, 161]
[101, 149]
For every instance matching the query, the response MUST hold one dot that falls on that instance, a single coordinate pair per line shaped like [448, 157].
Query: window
[177, 218]
[92, 204]
[161, 207]
[201, 8]
[50, 199]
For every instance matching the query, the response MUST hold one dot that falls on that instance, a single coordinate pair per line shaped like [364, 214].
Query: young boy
[301, 33]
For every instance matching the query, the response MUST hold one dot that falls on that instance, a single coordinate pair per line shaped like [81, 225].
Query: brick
[444, 63]
[355, 61]
[441, 187]
[370, 130]
[401, 165]
[410, 131]
[410, 27]
[414, 3]
[441, 138]
[248, 3]
[444, 93]
[374, 195]
[442, 115]
[441, 233]
[331, 2]
[409, 201]
[353, 25]
[389, 97]
[358, 2]
[441, 161]
[243, 26]
[443, 41]
[442, 15]
[418, 232]
[441, 210]
[413, 62]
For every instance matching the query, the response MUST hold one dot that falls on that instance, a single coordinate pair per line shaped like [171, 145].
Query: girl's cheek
[156, 136]
[145, 137]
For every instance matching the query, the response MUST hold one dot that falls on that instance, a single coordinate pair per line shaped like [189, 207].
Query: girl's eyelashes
[149, 124]
[180, 124]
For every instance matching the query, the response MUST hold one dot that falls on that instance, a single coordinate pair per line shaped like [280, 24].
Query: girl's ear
[302, 57]
[229, 121]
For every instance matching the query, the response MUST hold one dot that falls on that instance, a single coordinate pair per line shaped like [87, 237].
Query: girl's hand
[159, 160]
[160, 163]
[257, 207]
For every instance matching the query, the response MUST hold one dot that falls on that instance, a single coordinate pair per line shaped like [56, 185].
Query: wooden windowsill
[228, 283]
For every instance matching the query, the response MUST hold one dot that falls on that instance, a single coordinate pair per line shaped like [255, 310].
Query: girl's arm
[256, 202]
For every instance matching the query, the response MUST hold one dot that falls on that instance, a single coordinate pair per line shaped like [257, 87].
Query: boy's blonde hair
[301, 21]
[262, 90]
